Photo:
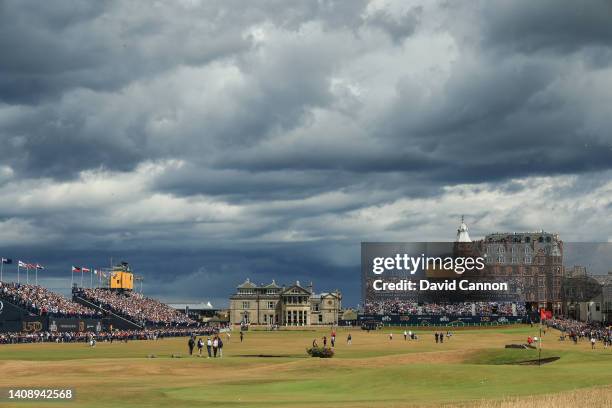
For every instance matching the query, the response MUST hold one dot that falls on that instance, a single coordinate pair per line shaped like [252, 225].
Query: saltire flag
[22, 264]
[76, 269]
[7, 261]
[39, 266]
[85, 270]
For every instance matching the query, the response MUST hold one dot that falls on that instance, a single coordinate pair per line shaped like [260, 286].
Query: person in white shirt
[215, 346]
[209, 347]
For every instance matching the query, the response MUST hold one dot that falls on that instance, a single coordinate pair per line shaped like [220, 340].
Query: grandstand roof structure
[191, 306]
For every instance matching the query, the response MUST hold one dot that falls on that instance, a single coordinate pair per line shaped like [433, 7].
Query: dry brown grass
[600, 397]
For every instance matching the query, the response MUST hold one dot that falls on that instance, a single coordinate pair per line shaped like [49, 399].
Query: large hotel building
[534, 259]
[293, 305]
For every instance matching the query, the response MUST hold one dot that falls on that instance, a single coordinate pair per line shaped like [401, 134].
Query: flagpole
[71, 277]
[1, 269]
[28, 274]
[91, 278]
[18, 272]
[82, 277]
[542, 318]
[36, 278]
[540, 345]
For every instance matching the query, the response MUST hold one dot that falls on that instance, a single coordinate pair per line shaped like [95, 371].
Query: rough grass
[590, 397]
[470, 368]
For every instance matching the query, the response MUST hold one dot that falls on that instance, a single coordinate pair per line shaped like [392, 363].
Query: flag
[22, 264]
[31, 266]
[7, 261]
[85, 270]
[545, 314]
[76, 269]
[39, 266]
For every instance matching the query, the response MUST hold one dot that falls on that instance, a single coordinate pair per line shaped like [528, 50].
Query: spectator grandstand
[134, 306]
[41, 301]
[397, 306]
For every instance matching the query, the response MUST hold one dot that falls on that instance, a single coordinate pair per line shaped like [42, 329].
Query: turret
[462, 232]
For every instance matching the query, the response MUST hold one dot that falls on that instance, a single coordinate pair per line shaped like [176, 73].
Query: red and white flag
[22, 264]
[39, 266]
[85, 270]
[76, 269]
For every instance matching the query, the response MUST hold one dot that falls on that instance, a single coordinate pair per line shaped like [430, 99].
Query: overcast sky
[206, 142]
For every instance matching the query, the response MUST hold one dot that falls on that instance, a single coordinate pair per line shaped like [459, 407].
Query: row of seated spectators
[396, 306]
[135, 307]
[117, 335]
[41, 301]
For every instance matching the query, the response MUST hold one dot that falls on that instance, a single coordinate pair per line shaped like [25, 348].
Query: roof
[191, 306]
[272, 285]
[247, 284]
[603, 279]
[296, 285]
[324, 294]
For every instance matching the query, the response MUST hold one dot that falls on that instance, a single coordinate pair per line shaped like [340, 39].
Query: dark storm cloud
[52, 48]
[549, 26]
[104, 51]
[206, 141]
[507, 107]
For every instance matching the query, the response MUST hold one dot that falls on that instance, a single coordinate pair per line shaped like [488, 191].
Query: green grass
[373, 371]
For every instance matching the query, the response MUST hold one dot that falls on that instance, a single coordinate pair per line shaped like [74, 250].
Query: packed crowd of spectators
[117, 335]
[397, 306]
[41, 301]
[135, 307]
[577, 330]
